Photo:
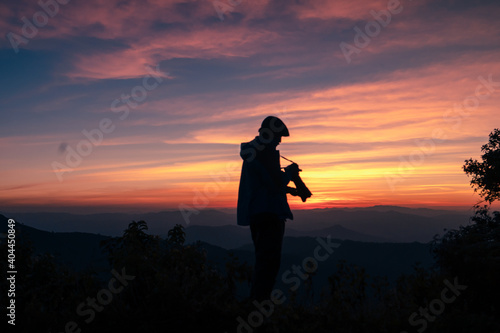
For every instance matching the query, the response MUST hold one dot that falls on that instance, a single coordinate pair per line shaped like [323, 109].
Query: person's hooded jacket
[262, 184]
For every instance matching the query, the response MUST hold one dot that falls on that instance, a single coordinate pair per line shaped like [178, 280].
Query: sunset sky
[381, 110]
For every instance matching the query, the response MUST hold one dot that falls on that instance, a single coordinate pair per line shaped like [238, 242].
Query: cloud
[350, 124]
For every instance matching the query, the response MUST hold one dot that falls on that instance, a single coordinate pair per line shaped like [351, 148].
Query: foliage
[47, 291]
[175, 286]
[176, 236]
[473, 251]
[486, 174]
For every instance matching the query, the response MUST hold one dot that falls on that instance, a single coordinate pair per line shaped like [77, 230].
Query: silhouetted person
[262, 201]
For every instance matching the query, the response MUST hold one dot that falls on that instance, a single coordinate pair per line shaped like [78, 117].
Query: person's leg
[267, 235]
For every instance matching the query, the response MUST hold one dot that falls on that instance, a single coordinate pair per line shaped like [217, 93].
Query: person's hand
[292, 190]
[293, 170]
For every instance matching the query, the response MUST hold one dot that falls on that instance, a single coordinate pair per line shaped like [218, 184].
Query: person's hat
[276, 125]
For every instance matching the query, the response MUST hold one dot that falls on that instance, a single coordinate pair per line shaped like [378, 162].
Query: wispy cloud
[350, 124]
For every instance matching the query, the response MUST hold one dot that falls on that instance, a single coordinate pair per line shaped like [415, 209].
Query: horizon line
[92, 210]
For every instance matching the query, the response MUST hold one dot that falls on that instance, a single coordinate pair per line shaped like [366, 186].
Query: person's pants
[267, 235]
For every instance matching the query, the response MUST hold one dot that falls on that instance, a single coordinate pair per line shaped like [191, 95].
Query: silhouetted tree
[486, 174]
[175, 287]
[46, 292]
[176, 236]
[472, 253]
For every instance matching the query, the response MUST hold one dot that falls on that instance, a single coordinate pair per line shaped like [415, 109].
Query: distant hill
[113, 224]
[336, 231]
[394, 224]
[231, 236]
[77, 250]
[228, 236]
[377, 224]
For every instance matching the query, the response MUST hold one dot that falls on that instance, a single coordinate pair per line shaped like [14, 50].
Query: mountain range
[81, 251]
[218, 227]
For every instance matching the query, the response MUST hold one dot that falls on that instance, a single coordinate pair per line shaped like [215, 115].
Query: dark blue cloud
[86, 45]
[459, 5]
[160, 25]
[187, 9]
